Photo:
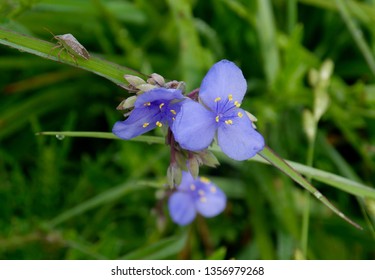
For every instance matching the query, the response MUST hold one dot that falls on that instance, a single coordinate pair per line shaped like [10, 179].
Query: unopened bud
[156, 79]
[145, 87]
[175, 85]
[134, 80]
[252, 118]
[208, 158]
[174, 175]
[127, 103]
[193, 166]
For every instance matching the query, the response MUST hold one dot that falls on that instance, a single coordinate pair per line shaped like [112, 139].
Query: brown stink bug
[71, 45]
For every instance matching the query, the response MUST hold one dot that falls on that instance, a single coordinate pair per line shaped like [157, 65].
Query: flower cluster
[195, 196]
[194, 123]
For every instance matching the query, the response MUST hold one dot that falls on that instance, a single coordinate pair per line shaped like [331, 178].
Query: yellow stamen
[159, 124]
[147, 104]
[192, 187]
[230, 97]
[217, 119]
[240, 114]
[173, 119]
[161, 106]
[204, 180]
[173, 112]
[213, 189]
[203, 199]
[201, 192]
[237, 104]
[145, 124]
[217, 99]
[229, 122]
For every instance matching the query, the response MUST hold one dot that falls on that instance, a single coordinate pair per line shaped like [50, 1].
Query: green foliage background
[86, 198]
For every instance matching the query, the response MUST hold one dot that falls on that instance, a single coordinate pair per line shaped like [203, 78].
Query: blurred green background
[85, 198]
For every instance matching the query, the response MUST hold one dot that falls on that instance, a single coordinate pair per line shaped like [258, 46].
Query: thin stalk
[306, 212]
[292, 15]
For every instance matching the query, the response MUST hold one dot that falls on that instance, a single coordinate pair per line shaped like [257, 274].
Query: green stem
[106, 69]
[306, 212]
[292, 15]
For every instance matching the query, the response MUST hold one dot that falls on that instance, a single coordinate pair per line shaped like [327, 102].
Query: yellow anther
[229, 122]
[240, 114]
[159, 124]
[213, 189]
[217, 99]
[204, 180]
[147, 104]
[192, 187]
[237, 104]
[161, 106]
[201, 192]
[145, 124]
[173, 119]
[203, 199]
[217, 119]
[230, 97]
[173, 112]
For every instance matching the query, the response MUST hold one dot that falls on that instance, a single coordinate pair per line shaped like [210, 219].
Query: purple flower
[153, 108]
[195, 195]
[221, 93]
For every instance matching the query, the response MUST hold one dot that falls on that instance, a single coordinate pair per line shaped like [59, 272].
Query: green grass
[93, 198]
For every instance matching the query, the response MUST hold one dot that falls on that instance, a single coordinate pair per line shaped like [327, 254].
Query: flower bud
[156, 79]
[174, 175]
[145, 87]
[193, 166]
[134, 80]
[127, 103]
[208, 158]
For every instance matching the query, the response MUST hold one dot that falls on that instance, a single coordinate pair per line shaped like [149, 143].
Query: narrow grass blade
[357, 34]
[106, 69]
[105, 197]
[289, 168]
[328, 178]
[163, 249]
[279, 163]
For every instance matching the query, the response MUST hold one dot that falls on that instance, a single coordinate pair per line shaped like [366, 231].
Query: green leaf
[282, 165]
[106, 69]
[105, 197]
[291, 169]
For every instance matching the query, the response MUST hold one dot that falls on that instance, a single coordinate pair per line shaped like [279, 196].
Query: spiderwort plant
[219, 115]
[194, 121]
[195, 196]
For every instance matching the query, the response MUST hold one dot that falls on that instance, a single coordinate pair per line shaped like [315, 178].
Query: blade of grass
[357, 34]
[270, 157]
[267, 37]
[105, 197]
[164, 248]
[106, 69]
[283, 166]
[328, 178]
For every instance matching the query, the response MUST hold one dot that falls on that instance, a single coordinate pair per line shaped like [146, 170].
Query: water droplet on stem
[60, 137]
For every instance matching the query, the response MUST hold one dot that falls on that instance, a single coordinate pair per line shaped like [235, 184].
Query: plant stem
[306, 212]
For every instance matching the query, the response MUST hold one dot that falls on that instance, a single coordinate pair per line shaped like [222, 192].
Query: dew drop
[60, 137]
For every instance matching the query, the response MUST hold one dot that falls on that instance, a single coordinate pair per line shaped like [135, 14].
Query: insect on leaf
[71, 45]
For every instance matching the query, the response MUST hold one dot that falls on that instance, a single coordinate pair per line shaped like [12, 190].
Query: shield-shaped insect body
[71, 45]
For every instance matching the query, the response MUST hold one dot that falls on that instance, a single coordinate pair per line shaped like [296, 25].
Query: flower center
[164, 113]
[227, 110]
